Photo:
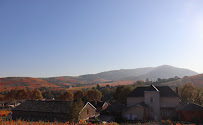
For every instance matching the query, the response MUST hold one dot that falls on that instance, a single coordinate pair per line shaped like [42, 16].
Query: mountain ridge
[151, 73]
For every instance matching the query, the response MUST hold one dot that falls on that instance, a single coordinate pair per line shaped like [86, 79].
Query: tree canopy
[36, 94]
[67, 96]
[75, 108]
[93, 95]
[121, 93]
[79, 94]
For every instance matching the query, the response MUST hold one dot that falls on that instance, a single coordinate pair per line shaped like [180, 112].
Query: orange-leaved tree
[187, 91]
[21, 94]
[11, 95]
[79, 94]
[67, 96]
[93, 95]
[36, 94]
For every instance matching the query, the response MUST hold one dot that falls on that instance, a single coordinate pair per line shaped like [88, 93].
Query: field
[23, 82]
[116, 83]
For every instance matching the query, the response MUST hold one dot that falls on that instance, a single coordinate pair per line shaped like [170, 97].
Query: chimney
[177, 90]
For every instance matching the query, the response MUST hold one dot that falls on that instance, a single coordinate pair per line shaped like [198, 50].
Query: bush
[166, 122]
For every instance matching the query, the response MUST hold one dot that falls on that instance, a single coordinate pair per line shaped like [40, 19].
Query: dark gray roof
[106, 118]
[189, 106]
[44, 106]
[165, 91]
[138, 92]
[152, 88]
[115, 108]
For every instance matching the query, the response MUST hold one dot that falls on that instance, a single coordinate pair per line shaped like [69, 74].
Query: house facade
[88, 111]
[32, 110]
[151, 103]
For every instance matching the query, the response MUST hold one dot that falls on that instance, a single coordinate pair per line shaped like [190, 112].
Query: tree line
[118, 94]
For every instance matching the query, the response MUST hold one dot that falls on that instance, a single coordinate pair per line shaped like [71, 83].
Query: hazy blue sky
[73, 37]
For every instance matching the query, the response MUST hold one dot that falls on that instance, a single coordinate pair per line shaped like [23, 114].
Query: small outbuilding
[190, 112]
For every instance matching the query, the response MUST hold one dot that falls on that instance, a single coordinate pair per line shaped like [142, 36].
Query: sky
[44, 38]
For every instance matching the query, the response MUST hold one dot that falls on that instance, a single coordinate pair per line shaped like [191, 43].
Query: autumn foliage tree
[187, 91]
[93, 95]
[1, 97]
[48, 94]
[36, 94]
[198, 97]
[67, 96]
[29, 94]
[75, 108]
[121, 93]
[79, 94]
[21, 94]
[11, 95]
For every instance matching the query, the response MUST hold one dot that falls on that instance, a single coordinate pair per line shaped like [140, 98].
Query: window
[130, 116]
[151, 99]
[87, 111]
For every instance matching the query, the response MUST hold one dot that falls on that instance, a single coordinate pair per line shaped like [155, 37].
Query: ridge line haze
[125, 72]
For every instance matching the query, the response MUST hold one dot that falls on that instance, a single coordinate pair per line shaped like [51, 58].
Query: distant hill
[152, 73]
[23, 82]
[118, 74]
[66, 81]
[164, 72]
[196, 80]
[124, 76]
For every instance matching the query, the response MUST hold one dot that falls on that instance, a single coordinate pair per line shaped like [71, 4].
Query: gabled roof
[138, 92]
[98, 104]
[152, 88]
[190, 106]
[165, 91]
[88, 103]
[44, 106]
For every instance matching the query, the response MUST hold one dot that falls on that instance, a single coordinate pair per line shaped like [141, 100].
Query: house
[103, 116]
[151, 103]
[49, 111]
[100, 105]
[190, 112]
[88, 111]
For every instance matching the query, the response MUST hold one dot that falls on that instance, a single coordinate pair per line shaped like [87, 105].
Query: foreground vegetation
[21, 122]
[4, 113]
